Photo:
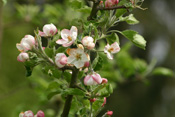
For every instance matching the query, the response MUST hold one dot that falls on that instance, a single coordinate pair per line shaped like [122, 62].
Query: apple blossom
[110, 113]
[27, 43]
[92, 79]
[40, 114]
[48, 30]
[60, 60]
[68, 36]
[111, 49]
[28, 113]
[110, 3]
[87, 41]
[104, 81]
[77, 57]
[22, 57]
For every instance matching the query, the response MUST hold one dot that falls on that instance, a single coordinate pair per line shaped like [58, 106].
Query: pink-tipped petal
[42, 34]
[97, 78]
[65, 33]
[61, 41]
[68, 44]
[86, 79]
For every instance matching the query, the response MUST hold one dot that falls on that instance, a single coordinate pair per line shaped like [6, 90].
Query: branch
[112, 8]
[94, 9]
[69, 98]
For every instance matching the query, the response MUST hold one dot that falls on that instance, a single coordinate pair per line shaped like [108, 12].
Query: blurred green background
[130, 99]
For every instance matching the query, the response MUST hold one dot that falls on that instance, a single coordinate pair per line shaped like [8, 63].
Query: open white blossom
[77, 57]
[111, 49]
[68, 36]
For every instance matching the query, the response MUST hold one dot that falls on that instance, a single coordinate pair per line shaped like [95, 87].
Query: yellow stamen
[78, 56]
[69, 38]
[110, 49]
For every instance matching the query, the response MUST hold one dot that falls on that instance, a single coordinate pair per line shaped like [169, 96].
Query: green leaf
[163, 71]
[51, 94]
[49, 52]
[129, 19]
[61, 50]
[53, 86]
[134, 37]
[73, 91]
[113, 38]
[99, 64]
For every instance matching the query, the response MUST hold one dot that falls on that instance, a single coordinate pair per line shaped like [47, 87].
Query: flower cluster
[77, 54]
[29, 113]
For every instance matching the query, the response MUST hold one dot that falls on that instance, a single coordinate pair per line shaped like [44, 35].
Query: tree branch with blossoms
[78, 56]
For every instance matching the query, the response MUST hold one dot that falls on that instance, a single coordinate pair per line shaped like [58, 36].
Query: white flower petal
[65, 33]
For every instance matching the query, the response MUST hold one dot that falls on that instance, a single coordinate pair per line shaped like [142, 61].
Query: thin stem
[69, 98]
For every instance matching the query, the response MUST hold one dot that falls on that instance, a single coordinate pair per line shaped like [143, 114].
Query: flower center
[69, 38]
[78, 56]
[110, 49]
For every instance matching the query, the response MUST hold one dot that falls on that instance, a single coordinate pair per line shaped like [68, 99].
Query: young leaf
[134, 37]
[129, 19]
[113, 38]
[163, 71]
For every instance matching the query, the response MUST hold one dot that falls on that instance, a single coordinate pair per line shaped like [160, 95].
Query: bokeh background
[131, 99]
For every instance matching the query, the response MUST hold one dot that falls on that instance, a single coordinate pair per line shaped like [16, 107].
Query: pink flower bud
[104, 81]
[93, 100]
[110, 113]
[110, 3]
[40, 114]
[86, 64]
[28, 113]
[92, 79]
[22, 57]
[27, 43]
[104, 102]
[48, 30]
[87, 41]
[60, 60]
[101, 4]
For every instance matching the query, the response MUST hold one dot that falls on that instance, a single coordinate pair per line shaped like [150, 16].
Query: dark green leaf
[73, 91]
